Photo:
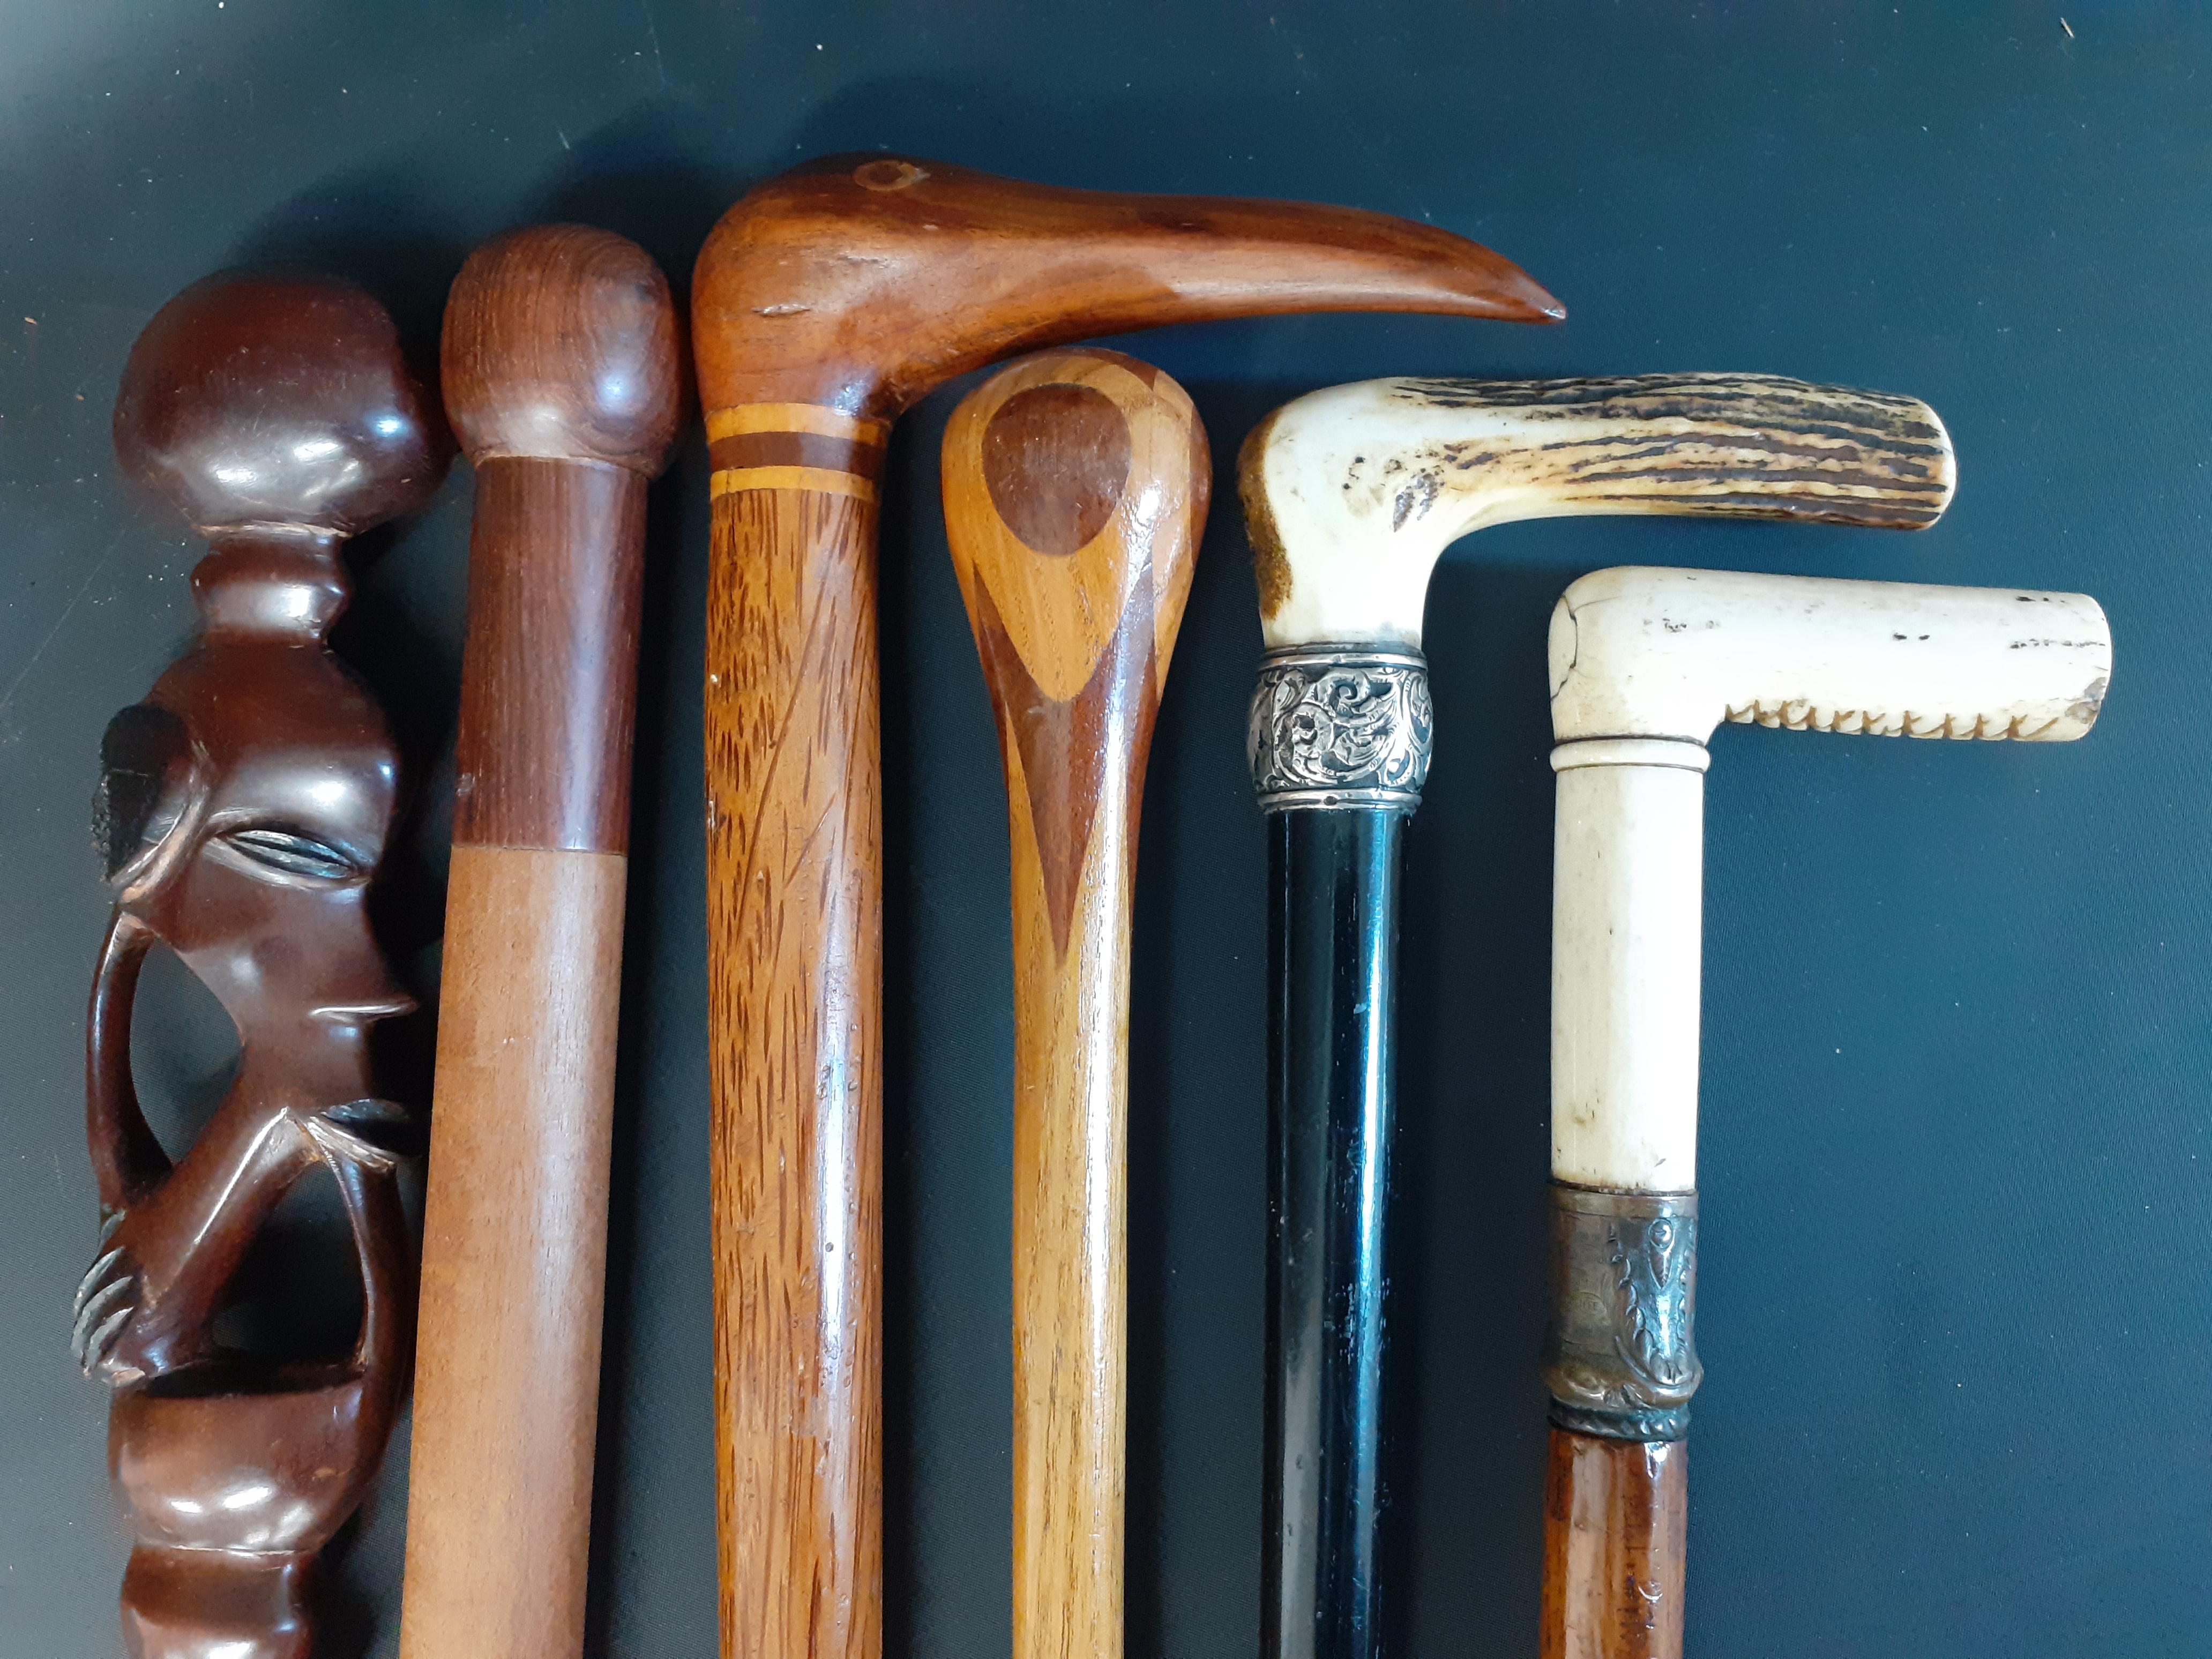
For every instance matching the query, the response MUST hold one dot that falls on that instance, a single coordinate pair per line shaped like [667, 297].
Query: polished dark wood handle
[1075, 494]
[244, 807]
[562, 374]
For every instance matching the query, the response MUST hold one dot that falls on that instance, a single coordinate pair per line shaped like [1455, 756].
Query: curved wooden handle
[561, 373]
[1075, 492]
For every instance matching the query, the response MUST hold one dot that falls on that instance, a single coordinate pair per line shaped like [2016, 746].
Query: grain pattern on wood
[1616, 1513]
[824, 304]
[514, 1245]
[1075, 492]
[562, 375]
[548, 695]
[794, 988]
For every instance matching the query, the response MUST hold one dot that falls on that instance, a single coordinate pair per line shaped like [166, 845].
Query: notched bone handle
[1644, 652]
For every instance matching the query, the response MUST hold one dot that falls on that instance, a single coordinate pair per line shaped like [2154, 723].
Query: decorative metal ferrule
[1340, 726]
[1619, 1358]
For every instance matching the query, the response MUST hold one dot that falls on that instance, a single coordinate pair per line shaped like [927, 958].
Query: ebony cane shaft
[1336, 838]
[1333, 947]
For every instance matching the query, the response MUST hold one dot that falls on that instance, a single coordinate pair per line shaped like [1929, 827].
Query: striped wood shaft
[794, 973]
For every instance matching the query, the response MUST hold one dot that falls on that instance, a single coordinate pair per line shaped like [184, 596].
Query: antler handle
[1351, 493]
[1075, 493]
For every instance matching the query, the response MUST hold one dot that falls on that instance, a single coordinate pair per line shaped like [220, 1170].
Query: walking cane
[561, 376]
[1644, 665]
[1351, 495]
[825, 304]
[1075, 493]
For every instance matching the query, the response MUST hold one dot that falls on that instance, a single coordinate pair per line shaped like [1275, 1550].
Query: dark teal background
[1957, 1281]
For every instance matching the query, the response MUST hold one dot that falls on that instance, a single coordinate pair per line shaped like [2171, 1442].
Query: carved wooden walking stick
[244, 807]
[1075, 492]
[824, 304]
[1351, 495]
[561, 377]
[1644, 665]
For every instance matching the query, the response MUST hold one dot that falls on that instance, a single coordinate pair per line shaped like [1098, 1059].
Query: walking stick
[825, 304]
[1644, 664]
[245, 806]
[1351, 495]
[561, 375]
[1075, 493]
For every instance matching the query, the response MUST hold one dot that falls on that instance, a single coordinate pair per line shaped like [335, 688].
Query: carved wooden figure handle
[561, 373]
[1075, 492]
[824, 304]
[245, 806]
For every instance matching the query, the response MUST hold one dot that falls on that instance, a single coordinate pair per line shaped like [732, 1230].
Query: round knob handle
[562, 344]
[256, 400]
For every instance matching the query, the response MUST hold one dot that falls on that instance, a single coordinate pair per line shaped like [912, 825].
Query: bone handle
[1645, 663]
[561, 375]
[1075, 490]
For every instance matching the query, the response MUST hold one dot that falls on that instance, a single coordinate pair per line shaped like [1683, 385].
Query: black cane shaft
[1333, 940]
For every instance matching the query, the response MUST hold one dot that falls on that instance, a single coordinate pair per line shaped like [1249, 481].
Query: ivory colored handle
[1075, 490]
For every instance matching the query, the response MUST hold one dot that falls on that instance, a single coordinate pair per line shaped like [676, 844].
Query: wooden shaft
[794, 988]
[506, 1378]
[560, 367]
[1075, 488]
[1616, 1514]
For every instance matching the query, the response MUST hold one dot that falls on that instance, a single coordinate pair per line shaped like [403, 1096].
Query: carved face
[244, 807]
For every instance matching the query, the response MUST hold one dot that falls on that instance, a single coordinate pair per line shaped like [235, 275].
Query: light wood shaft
[795, 994]
[1070, 1229]
[1075, 486]
[507, 1375]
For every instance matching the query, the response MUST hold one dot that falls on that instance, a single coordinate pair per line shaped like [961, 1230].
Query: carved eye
[291, 852]
[145, 773]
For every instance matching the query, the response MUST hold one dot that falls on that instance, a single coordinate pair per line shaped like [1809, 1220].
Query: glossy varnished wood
[561, 369]
[244, 807]
[548, 699]
[1616, 1513]
[1075, 490]
[860, 282]
[824, 304]
[794, 912]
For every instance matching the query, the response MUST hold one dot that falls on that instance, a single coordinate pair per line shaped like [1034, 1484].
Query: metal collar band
[1619, 1358]
[1340, 726]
